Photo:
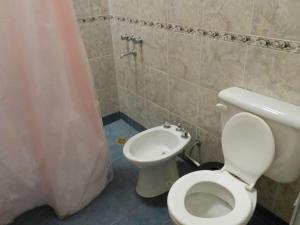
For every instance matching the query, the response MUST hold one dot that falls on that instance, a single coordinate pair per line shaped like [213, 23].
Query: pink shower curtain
[52, 146]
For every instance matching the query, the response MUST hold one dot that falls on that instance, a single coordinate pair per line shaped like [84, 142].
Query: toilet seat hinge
[250, 187]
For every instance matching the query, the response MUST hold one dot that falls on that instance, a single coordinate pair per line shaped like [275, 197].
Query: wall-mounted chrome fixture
[138, 40]
[135, 40]
[132, 37]
[130, 52]
[125, 37]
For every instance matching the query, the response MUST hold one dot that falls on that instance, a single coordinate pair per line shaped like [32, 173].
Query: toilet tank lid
[263, 106]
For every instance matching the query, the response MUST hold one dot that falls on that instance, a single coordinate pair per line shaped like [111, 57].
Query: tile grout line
[245, 66]
[252, 17]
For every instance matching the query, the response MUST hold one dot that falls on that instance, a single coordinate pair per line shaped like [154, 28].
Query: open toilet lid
[248, 146]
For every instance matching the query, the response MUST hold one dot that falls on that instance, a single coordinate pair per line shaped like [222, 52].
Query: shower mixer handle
[132, 37]
[138, 40]
[125, 37]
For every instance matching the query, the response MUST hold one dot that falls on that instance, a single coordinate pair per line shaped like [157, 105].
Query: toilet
[260, 136]
[154, 152]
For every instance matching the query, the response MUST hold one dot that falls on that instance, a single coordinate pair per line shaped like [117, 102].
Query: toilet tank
[282, 117]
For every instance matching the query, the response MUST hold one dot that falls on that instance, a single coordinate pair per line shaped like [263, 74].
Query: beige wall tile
[139, 109]
[86, 36]
[128, 8]
[155, 115]
[266, 192]
[154, 49]
[130, 75]
[208, 118]
[211, 149]
[185, 12]
[131, 7]
[108, 100]
[295, 187]
[228, 15]
[82, 8]
[222, 64]
[184, 56]
[117, 43]
[124, 100]
[102, 38]
[88, 8]
[132, 105]
[153, 10]
[284, 200]
[156, 86]
[99, 7]
[201, 134]
[277, 18]
[274, 74]
[104, 71]
[97, 38]
[183, 99]
[114, 7]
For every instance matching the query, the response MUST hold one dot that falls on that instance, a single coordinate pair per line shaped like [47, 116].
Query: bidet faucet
[184, 134]
[131, 52]
[179, 127]
[167, 125]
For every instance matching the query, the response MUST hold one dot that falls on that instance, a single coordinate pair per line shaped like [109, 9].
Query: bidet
[154, 152]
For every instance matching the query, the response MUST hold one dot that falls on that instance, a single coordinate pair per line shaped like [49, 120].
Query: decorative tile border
[93, 19]
[253, 40]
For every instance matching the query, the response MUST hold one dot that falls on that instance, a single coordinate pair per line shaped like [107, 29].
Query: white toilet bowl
[154, 152]
[210, 198]
[226, 196]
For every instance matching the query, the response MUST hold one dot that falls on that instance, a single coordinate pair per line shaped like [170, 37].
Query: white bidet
[154, 152]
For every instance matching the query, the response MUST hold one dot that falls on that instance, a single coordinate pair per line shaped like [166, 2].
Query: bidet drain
[121, 141]
[163, 153]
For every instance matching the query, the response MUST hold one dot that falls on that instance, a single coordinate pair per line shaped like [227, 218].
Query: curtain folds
[52, 145]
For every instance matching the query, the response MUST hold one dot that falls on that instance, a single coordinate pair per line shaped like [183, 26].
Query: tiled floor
[118, 204]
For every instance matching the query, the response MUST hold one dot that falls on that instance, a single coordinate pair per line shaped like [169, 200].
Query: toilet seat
[240, 213]
[247, 139]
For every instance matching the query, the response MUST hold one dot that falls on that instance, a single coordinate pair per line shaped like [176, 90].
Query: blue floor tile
[169, 222]
[115, 130]
[118, 129]
[146, 214]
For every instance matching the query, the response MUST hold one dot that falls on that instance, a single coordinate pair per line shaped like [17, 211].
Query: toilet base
[157, 179]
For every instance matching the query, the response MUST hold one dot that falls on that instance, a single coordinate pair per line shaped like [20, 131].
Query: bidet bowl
[154, 152]
[154, 146]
